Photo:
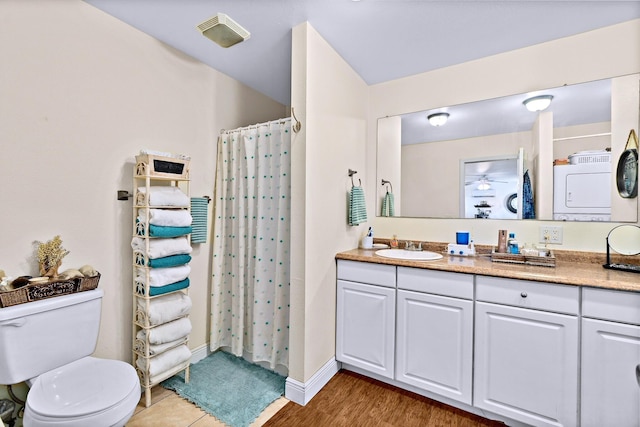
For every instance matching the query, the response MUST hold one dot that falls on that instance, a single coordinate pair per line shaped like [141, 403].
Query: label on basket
[48, 290]
[168, 167]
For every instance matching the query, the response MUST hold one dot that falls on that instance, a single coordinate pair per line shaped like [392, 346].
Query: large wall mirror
[496, 159]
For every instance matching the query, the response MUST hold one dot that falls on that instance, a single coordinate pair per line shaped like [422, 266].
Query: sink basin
[409, 255]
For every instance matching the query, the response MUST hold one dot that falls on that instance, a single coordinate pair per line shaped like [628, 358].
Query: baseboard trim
[200, 353]
[302, 393]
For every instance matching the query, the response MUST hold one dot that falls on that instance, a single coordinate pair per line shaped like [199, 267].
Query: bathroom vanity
[523, 344]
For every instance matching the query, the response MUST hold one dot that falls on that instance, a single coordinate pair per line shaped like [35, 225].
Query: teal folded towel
[387, 205]
[163, 231]
[169, 261]
[159, 290]
[357, 207]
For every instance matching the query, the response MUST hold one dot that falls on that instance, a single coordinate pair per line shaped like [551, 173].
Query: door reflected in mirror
[490, 188]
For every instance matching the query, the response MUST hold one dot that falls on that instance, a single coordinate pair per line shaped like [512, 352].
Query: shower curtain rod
[278, 121]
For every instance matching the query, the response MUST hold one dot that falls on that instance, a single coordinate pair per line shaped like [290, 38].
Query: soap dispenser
[394, 242]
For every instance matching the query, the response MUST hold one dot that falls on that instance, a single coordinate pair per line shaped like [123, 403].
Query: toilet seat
[88, 391]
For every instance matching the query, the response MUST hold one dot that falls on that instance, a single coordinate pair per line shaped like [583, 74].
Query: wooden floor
[350, 399]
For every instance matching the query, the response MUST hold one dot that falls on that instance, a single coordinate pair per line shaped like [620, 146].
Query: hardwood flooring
[350, 399]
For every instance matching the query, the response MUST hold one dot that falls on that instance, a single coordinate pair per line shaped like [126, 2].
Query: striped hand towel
[357, 206]
[387, 205]
[199, 213]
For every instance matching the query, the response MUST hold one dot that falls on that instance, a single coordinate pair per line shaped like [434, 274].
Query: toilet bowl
[48, 344]
[87, 392]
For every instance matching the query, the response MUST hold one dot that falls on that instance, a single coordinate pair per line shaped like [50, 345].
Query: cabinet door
[365, 322]
[610, 374]
[434, 344]
[526, 364]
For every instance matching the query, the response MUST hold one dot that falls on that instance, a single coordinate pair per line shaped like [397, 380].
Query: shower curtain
[250, 291]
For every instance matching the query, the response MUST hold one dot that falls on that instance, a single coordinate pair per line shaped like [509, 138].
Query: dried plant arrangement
[50, 256]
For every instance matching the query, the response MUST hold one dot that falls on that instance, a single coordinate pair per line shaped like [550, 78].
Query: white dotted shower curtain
[250, 291]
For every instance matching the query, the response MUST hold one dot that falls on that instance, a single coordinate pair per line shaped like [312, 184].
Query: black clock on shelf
[627, 173]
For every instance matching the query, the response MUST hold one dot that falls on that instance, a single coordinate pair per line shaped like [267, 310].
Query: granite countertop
[585, 271]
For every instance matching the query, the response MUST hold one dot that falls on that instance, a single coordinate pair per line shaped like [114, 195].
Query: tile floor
[168, 409]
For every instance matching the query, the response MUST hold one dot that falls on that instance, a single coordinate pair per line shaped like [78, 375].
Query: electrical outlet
[551, 234]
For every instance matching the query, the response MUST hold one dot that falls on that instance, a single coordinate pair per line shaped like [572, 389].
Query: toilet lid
[83, 387]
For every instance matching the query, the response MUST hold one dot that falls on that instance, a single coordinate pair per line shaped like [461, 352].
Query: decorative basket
[53, 288]
[162, 167]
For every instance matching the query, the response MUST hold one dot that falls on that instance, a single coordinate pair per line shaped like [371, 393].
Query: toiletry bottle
[394, 242]
[502, 241]
[513, 244]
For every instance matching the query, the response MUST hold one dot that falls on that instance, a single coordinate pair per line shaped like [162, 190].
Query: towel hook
[297, 125]
[384, 181]
[351, 173]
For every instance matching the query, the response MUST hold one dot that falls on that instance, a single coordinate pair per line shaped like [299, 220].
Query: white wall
[431, 170]
[80, 94]
[330, 100]
[603, 53]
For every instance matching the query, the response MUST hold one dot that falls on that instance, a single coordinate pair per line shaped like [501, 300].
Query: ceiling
[572, 105]
[382, 40]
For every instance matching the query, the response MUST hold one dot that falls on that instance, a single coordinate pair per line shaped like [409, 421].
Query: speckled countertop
[572, 268]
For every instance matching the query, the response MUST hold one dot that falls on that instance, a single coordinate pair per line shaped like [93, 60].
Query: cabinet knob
[523, 294]
[638, 374]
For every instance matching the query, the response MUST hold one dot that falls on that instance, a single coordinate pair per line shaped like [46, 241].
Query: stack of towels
[167, 250]
[357, 207]
[167, 344]
[163, 222]
[170, 327]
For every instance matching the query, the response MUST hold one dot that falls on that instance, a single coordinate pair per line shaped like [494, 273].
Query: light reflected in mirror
[426, 164]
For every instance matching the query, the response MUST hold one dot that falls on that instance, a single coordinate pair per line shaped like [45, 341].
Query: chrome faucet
[410, 246]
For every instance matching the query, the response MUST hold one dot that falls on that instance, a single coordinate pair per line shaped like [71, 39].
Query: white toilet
[48, 344]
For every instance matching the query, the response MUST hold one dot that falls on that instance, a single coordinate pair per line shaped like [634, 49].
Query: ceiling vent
[223, 30]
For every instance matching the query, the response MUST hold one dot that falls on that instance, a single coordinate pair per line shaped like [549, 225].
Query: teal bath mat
[229, 388]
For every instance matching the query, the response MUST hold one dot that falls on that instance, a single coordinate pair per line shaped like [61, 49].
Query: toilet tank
[39, 336]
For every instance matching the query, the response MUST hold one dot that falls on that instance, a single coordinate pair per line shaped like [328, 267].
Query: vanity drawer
[605, 304]
[528, 294]
[457, 285]
[365, 272]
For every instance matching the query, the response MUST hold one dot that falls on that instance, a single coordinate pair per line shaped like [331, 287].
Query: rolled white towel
[166, 333]
[157, 348]
[163, 196]
[166, 217]
[163, 276]
[159, 248]
[165, 361]
[166, 308]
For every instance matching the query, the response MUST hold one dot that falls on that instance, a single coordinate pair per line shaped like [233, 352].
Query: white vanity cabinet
[526, 351]
[434, 342]
[610, 391]
[365, 316]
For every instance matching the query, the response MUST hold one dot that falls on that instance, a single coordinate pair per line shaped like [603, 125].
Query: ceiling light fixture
[223, 30]
[438, 119]
[484, 185]
[538, 103]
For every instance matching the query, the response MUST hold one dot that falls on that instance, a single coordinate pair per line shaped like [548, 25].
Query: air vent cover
[223, 30]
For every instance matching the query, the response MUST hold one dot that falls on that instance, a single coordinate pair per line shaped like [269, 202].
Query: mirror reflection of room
[426, 161]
